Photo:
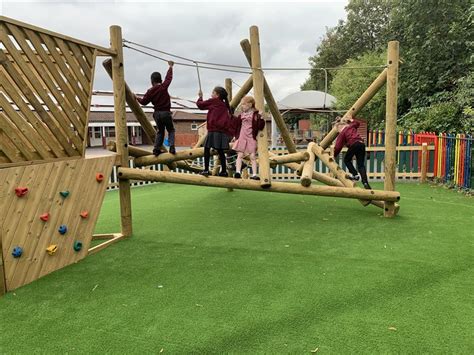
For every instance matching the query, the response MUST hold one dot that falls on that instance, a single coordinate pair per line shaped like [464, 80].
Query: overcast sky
[205, 31]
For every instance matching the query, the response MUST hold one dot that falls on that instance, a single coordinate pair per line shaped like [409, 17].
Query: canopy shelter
[307, 101]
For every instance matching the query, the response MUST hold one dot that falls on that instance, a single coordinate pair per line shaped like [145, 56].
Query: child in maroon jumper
[248, 123]
[159, 96]
[349, 136]
[219, 127]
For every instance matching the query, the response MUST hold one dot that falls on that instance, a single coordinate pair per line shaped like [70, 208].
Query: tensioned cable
[245, 67]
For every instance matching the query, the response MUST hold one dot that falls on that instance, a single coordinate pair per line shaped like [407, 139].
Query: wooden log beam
[325, 179]
[120, 117]
[262, 139]
[329, 161]
[288, 158]
[390, 159]
[244, 90]
[340, 174]
[166, 158]
[214, 181]
[358, 105]
[136, 152]
[133, 104]
[308, 167]
[272, 105]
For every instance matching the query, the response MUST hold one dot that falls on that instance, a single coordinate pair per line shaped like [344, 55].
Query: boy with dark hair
[160, 98]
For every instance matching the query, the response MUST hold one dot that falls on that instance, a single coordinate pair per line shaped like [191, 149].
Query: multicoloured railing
[450, 156]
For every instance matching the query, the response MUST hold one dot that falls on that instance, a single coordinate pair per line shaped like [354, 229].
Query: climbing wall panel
[45, 92]
[49, 225]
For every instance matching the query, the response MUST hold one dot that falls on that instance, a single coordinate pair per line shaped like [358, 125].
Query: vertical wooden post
[391, 124]
[272, 105]
[308, 167]
[424, 161]
[228, 88]
[262, 139]
[120, 116]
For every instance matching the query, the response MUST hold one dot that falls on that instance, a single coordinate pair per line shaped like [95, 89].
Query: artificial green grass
[213, 271]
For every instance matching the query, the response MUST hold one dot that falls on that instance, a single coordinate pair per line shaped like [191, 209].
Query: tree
[436, 41]
[367, 29]
[349, 84]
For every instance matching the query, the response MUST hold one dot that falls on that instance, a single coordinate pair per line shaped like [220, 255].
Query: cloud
[289, 34]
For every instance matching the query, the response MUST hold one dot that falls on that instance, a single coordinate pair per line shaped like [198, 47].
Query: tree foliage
[436, 44]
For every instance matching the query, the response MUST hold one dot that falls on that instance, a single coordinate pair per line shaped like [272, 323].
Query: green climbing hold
[77, 246]
[64, 193]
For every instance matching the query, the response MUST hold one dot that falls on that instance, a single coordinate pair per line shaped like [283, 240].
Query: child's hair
[250, 100]
[155, 78]
[222, 93]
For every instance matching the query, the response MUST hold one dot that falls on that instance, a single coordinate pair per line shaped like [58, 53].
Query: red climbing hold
[44, 216]
[84, 214]
[99, 177]
[21, 191]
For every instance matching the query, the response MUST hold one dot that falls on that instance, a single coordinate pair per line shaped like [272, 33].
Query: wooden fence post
[424, 161]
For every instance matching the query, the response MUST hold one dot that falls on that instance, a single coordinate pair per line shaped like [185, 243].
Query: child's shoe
[254, 177]
[172, 149]
[204, 173]
[156, 152]
[367, 186]
[223, 174]
[237, 175]
[353, 177]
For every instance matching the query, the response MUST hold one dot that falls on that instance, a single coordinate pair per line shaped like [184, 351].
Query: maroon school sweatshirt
[218, 116]
[158, 94]
[347, 137]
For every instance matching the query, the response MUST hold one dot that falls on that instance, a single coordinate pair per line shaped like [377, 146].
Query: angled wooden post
[228, 88]
[244, 90]
[133, 104]
[358, 105]
[262, 139]
[391, 124]
[120, 116]
[272, 105]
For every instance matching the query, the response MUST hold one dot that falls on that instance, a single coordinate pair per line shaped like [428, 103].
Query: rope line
[185, 64]
[241, 66]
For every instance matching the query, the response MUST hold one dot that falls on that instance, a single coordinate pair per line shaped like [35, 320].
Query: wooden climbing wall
[45, 93]
[21, 225]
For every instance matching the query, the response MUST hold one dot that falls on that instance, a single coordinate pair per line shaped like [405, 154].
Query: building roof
[103, 101]
[307, 100]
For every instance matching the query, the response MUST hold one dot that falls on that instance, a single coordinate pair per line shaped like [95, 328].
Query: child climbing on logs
[220, 127]
[248, 123]
[160, 98]
[348, 136]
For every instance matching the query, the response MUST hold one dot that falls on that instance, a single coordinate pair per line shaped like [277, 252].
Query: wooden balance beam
[214, 181]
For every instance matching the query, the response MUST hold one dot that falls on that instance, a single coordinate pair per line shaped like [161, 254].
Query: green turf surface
[212, 271]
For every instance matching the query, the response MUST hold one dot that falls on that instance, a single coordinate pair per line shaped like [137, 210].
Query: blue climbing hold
[62, 229]
[17, 251]
[77, 246]
[64, 193]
